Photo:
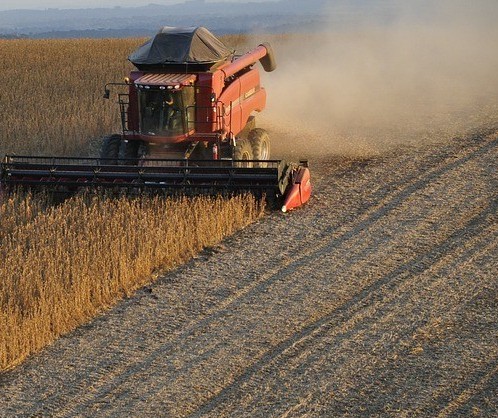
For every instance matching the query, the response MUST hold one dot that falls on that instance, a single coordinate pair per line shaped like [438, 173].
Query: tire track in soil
[477, 383]
[484, 241]
[376, 315]
[336, 319]
[492, 210]
[349, 335]
[484, 382]
[370, 216]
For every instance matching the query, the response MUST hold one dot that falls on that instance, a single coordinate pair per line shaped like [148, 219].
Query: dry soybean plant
[51, 99]
[63, 265]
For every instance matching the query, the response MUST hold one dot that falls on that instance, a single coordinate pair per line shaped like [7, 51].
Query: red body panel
[207, 87]
[299, 190]
[243, 97]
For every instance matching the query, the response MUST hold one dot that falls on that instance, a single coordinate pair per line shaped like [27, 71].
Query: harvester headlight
[127, 80]
[162, 88]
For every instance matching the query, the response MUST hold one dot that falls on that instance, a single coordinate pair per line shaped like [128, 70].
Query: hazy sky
[72, 4]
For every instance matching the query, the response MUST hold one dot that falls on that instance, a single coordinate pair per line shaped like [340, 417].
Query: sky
[71, 4]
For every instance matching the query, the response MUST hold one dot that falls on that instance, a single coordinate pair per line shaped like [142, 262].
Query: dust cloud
[399, 73]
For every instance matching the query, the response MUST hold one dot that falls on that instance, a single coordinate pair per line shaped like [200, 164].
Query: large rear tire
[260, 143]
[110, 148]
[243, 151]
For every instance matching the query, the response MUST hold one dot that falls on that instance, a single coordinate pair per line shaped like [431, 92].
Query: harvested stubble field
[377, 299]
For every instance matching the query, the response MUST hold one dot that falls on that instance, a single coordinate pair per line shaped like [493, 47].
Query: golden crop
[61, 264]
[51, 98]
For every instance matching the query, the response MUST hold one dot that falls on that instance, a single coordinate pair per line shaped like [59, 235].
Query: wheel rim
[265, 150]
[245, 157]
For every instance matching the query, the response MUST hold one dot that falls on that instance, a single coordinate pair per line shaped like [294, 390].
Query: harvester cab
[166, 111]
[188, 126]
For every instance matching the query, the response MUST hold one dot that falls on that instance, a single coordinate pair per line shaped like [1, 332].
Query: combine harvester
[188, 127]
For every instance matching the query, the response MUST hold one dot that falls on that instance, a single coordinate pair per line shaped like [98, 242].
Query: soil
[379, 298]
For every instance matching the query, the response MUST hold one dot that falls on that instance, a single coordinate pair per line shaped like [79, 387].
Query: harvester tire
[110, 148]
[243, 151]
[130, 152]
[260, 143]
[250, 125]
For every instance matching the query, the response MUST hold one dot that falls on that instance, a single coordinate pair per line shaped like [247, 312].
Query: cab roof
[180, 46]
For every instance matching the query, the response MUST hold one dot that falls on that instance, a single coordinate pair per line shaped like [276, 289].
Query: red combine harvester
[188, 126]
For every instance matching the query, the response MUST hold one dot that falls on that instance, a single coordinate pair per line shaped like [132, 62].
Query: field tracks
[353, 316]
[384, 311]
[400, 191]
[477, 383]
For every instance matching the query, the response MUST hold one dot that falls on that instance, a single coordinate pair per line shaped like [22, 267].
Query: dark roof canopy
[170, 46]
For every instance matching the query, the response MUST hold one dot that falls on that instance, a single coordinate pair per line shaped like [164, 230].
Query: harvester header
[188, 124]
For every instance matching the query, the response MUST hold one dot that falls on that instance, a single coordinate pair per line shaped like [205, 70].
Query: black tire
[250, 125]
[260, 143]
[110, 148]
[130, 152]
[243, 151]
